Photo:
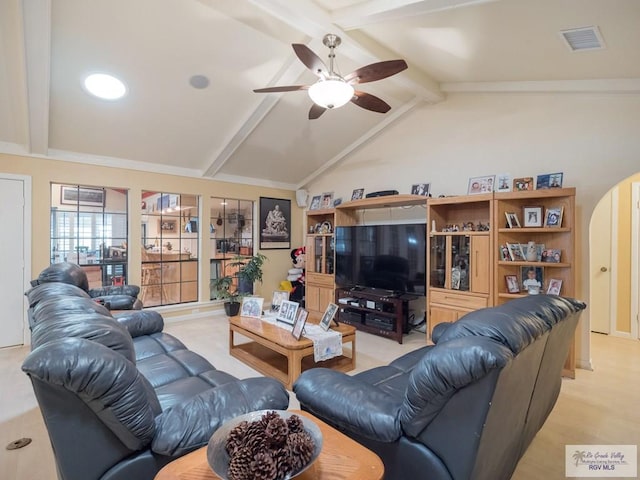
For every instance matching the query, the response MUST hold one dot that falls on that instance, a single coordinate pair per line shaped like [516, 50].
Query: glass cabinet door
[438, 261]
[330, 255]
[460, 265]
[318, 249]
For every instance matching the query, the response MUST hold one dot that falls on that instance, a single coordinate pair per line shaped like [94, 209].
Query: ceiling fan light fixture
[331, 93]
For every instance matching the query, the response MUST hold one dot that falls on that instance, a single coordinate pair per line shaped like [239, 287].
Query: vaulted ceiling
[227, 132]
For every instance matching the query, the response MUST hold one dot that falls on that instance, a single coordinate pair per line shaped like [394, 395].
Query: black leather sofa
[465, 408]
[121, 398]
[113, 297]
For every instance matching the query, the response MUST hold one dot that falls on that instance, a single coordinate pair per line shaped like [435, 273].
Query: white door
[600, 264]
[12, 254]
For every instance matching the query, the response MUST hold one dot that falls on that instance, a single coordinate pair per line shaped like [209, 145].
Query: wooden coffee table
[275, 353]
[341, 458]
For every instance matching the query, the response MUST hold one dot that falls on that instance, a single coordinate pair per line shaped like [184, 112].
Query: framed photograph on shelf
[515, 252]
[504, 253]
[553, 217]
[522, 184]
[532, 216]
[512, 283]
[357, 194]
[275, 223]
[512, 219]
[337, 201]
[251, 307]
[327, 200]
[315, 202]
[549, 180]
[551, 255]
[555, 285]
[287, 312]
[532, 279]
[298, 324]
[480, 185]
[503, 183]
[279, 296]
[421, 189]
[83, 196]
[329, 313]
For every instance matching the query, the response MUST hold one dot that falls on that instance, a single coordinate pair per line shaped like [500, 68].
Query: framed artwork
[555, 285]
[503, 182]
[357, 194]
[532, 279]
[532, 216]
[315, 202]
[512, 283]
[275, 223]
[279, 296]
[512, 219]
[549, 180]
[168, 224]
[327, 200]
[251, 307]
[480, 185]
[298, 325]
[421, 189]
[522, 184]
[553, 217]
[89, 197]
[287, 312]
[329, 313]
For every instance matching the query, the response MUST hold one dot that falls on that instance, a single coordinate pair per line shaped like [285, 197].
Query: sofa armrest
[131, 290]
[140, 322]
[119, 302]
[438, 330]
[189, 425]
[350, 403]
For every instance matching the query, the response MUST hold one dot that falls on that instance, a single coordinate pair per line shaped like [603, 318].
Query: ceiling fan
[332, 90]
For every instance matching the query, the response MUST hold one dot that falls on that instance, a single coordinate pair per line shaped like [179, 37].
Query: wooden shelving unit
[460, 263]
[560, 237]
[320, 261]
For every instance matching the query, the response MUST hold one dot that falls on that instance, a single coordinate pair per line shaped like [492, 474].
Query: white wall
[593, 138]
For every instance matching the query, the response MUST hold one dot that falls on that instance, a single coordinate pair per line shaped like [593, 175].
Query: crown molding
[606, 85]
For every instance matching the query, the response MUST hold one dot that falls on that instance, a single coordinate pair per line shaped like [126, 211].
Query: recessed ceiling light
[105, 86]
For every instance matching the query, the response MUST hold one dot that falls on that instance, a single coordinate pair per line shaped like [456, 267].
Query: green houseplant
[249, 272]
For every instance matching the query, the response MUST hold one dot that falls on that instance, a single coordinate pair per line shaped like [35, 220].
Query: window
[170, 229]
[89, 227]
[230, 235]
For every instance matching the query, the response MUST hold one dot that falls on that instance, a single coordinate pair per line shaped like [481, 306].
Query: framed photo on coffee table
[287, 312]
[298, 325]
[329, 313]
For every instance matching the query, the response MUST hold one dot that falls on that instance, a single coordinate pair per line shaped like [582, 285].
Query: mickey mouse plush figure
[296, 274]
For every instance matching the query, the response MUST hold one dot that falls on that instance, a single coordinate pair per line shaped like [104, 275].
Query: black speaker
[381, 193]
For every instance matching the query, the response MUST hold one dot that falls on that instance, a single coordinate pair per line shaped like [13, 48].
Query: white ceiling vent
[584, 38]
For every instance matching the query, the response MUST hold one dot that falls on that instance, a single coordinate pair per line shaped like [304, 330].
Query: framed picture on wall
[88, 197]
[275, 223]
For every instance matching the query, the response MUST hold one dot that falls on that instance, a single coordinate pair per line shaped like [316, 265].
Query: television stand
[381, 313]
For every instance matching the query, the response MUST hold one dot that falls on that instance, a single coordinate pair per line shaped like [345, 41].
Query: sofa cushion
[88, 369]
[64, 272]
[91, 326]
[53, 290]
[445, 369]
[140, 322]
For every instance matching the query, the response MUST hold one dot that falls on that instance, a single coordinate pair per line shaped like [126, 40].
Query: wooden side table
[341, 458]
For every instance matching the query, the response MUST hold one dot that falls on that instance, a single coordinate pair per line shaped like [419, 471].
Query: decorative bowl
[218, 457]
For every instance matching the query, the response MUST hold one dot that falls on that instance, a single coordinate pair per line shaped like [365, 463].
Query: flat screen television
[386, 257]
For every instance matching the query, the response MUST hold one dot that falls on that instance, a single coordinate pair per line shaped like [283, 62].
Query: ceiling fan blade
[289, 88]
[376, 71]
[370, 102]
[316, 111]
[310, 59]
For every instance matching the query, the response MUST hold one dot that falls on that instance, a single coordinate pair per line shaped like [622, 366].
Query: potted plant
[223, 289]
[249, 271]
